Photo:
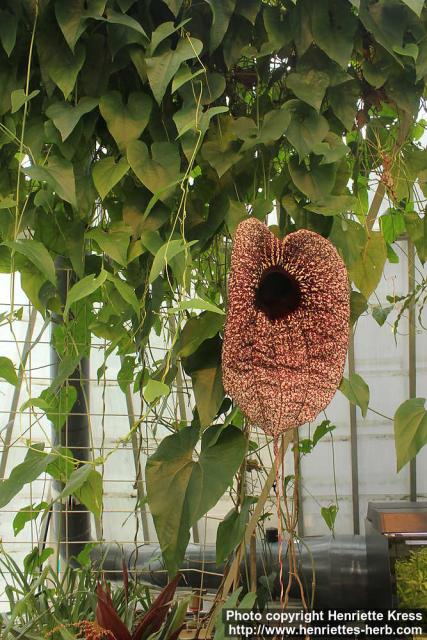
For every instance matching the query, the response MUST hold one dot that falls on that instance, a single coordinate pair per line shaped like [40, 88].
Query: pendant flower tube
[287, 327]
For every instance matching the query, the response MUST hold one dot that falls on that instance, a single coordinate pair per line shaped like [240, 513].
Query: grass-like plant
[78, 603]
[411, 580]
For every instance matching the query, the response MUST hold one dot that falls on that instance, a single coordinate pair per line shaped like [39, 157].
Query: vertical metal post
[412, 360]
[71, 521]
[353, 443]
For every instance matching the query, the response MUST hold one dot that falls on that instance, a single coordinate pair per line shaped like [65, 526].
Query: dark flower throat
[278, 293]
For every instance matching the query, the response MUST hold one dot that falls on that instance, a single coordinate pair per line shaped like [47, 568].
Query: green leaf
[7, 371]
[63, 465]
[160, 173]
[126, 373]
[8, 27]
[183, 75]
[65, 117]
[380, 314]
[421, 64]
[37, 253]
[274, 126]
[83, 288]
[56, 405]
[126, 291]
[410, 430]
[386, 21]
[125, 122]
[27, 514]
[332, 149]
[204, 367]
[376, 74]
[163, 31]
[60, 404]
[69, 14]
[417, 231]
[222, 10]
[19, 98]
[162, 67]
[114, 17]
[343, 99]
[106, 174]
[316, 182]
[392, 225]
[174, 5]
[115, 242]
[410, 50]
[59, 174]
[321, 430]
[35, 559]
[350, 238]
[66, 367]
[358, 306]
[90, 492]
[236, 212]
[60, 64]
[198, 304]
[334, 25]
[333, 205]
[309, 85]
[180, 490]
[356, 391]
[329, 515]
[231, 530]
[415, 5]
[197, 330]
[367, 270]
[222, 146]
[164, 255]
[34, 464]
[154, 389]
[76, 480]
[306, 129]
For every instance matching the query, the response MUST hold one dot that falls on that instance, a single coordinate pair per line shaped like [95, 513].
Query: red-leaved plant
[109, 626]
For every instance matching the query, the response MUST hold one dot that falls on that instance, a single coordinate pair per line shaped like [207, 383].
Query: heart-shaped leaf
[7, 371]
[19, 98]
[125, 122]
[162, 67]
[181, 490]
[65, 117]
[107, 173]
[356, 391]
[410, 430]
[37, 253]
[59, 175]
[160, 173]
[307, 127]
[309, 85]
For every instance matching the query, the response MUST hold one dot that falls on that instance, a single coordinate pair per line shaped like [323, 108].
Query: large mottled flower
[286, 334]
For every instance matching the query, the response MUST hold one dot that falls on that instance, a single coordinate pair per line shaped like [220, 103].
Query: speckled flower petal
[286, 334]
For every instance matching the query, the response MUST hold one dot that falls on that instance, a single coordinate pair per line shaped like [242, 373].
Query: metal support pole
[71, 521]
[412, 357]
[353, 443]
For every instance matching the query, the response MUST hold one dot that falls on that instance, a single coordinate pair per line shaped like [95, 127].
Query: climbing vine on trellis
[134, 137]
